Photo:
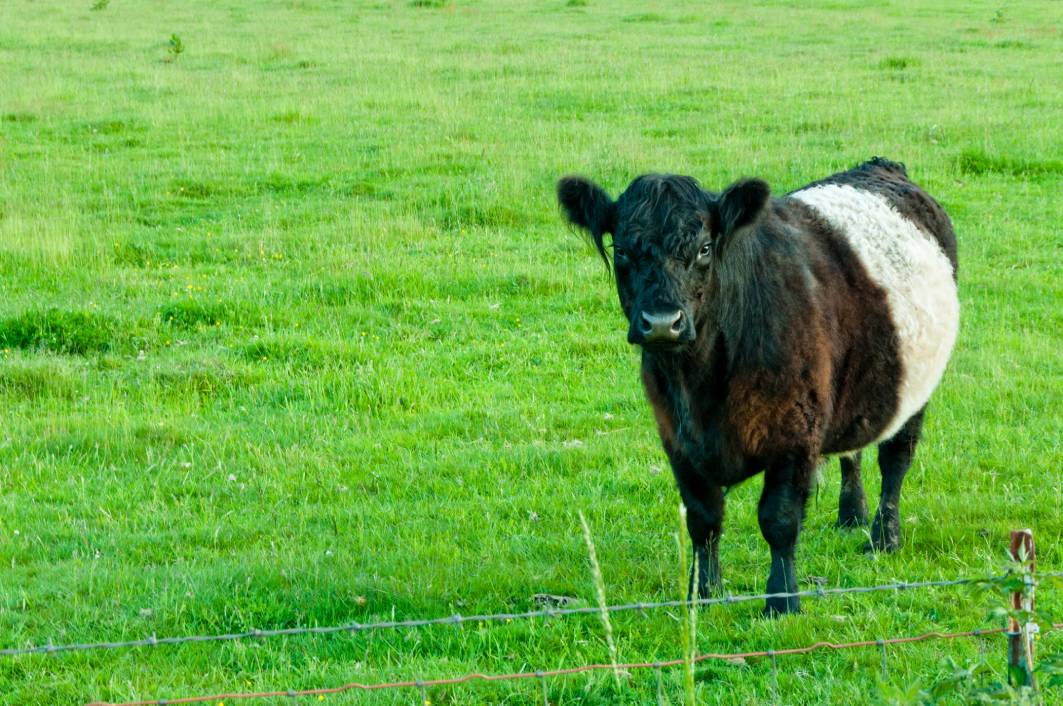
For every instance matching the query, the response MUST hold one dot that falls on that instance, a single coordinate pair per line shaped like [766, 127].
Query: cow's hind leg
[852, 504]
[894, 459]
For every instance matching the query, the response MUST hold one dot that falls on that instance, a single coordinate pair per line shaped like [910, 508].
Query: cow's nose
[661, 326]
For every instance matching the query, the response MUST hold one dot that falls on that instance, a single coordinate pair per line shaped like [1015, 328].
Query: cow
[778, 331]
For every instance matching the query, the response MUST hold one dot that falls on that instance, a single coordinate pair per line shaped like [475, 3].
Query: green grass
[292, 332]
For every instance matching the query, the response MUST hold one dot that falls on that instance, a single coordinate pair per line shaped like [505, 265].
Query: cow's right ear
[588, 206]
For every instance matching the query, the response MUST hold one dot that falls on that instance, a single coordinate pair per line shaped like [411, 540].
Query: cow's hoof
[885, 535]
[776, 607]
[887, 545]
[851, 521]
[706, 591]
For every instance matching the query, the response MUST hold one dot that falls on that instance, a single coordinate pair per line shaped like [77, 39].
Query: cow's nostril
[677, 325]
[645, 324]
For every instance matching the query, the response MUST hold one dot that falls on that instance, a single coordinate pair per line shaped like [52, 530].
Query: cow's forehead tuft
[661, 190]
[662, 208]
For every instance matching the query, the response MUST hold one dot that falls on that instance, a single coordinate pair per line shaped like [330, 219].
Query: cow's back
[905, 243]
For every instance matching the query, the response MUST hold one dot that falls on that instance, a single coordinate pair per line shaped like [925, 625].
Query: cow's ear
[740, 205]
[588, 206]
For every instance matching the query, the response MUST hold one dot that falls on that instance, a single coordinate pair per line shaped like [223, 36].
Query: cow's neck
[760, 277]
[693, 383]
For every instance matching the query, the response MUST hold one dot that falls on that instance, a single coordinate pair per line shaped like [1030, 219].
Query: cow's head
[668, 237]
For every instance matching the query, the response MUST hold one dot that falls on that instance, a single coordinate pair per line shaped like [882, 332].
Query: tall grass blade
[599, 588]
[688, 638]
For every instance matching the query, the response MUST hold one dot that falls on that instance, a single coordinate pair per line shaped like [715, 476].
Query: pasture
[291, 332]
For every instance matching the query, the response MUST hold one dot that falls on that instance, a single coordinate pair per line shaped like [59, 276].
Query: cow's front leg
[705, 524]
[704, 503]
[782, 508]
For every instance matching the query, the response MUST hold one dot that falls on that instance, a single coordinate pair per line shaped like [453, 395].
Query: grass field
[292, 333]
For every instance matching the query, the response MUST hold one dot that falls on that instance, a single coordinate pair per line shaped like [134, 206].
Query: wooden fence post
[1020, 637]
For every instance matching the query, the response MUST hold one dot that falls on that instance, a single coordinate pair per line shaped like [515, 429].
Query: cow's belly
[917, 278]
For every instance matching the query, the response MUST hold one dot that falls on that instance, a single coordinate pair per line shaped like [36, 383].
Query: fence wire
[458, 619]
[542, 675]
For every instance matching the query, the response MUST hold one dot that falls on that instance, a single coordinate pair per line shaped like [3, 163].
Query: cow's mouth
[664, 346]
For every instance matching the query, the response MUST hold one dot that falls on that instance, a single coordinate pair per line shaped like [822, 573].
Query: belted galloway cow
[776, 331]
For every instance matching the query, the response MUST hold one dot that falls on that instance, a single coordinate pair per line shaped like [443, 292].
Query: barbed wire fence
[458, 619]
[1017, 634]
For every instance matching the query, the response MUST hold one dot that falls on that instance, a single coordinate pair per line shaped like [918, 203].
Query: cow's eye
[705, 250]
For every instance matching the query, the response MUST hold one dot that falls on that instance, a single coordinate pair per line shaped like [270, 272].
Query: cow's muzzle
[661, 328]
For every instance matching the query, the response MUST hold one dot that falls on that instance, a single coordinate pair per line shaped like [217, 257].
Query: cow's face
[660, 255]
[669, 239]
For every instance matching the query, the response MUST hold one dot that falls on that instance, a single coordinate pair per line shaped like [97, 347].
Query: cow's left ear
[740, 205]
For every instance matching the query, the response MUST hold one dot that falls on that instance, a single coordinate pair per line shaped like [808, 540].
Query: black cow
[775, 331]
